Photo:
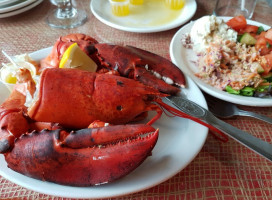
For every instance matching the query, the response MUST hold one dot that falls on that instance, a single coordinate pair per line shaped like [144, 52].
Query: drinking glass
[235, 7]
[66, 15]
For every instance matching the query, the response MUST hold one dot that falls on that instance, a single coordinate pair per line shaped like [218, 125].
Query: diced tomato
[261, 43]
[237, 23]
[262, 34]
[268, 36]
[249, 29]
[267, 68]
[262, 46]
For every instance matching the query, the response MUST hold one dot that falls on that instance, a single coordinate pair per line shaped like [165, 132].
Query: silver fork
[223, 109]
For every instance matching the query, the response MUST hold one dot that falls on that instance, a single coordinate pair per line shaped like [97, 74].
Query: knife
[199, 113]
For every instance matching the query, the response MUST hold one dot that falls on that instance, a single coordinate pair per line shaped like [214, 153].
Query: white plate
[4, 3]
[21, 10]
[179, 142]
[184, 58]
[142, 23]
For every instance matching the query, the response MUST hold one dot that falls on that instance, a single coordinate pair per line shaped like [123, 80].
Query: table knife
[259, 146]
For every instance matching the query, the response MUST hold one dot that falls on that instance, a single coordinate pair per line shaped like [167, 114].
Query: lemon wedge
[74, 57]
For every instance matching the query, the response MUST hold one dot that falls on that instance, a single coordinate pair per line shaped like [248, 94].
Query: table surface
[220, 171]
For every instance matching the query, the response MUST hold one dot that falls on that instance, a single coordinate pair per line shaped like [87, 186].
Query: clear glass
[66, 15]
[235, 8]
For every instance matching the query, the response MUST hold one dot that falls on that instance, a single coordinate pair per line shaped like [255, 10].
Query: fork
[223, 109]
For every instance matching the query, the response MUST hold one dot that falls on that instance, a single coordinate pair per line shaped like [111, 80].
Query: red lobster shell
[82, 157]
[46, 155]
[103, 97]
[132, 62]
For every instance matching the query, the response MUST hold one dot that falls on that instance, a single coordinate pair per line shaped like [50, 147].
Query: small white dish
[21, 10]
[184, 59]
[179, 142]
[151, 20]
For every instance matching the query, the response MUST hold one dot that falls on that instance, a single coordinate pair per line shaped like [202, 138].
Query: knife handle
[261, 147]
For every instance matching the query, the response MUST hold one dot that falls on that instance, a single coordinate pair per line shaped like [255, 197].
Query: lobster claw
[149, 68]
[85, 157]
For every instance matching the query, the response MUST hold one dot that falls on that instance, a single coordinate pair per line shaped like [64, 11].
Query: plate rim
[21, 10]
[145, 29]
[6, 2]
[26, 181]
[241, 100]
[16, 6]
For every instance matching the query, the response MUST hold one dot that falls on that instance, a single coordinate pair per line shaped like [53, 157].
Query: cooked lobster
[128, 61]
[63, 135]
[36, 146]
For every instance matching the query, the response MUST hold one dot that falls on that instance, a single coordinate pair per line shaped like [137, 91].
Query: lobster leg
[47, 155]
[12, 121]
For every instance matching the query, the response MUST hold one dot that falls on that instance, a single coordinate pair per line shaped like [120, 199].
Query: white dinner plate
[180, 140]
[147, 21]
[20, 10]
[184, 58]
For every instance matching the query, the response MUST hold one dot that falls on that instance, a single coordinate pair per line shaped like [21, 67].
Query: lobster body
[82, 97]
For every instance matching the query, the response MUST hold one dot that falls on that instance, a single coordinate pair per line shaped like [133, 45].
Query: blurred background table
[220, 171]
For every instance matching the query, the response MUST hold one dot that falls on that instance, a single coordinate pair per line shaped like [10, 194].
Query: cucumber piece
[260, 70]
[248, 39]
[257, 66]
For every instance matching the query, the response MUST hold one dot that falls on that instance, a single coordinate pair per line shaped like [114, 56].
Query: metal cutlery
[199, 113]
[224, 110]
